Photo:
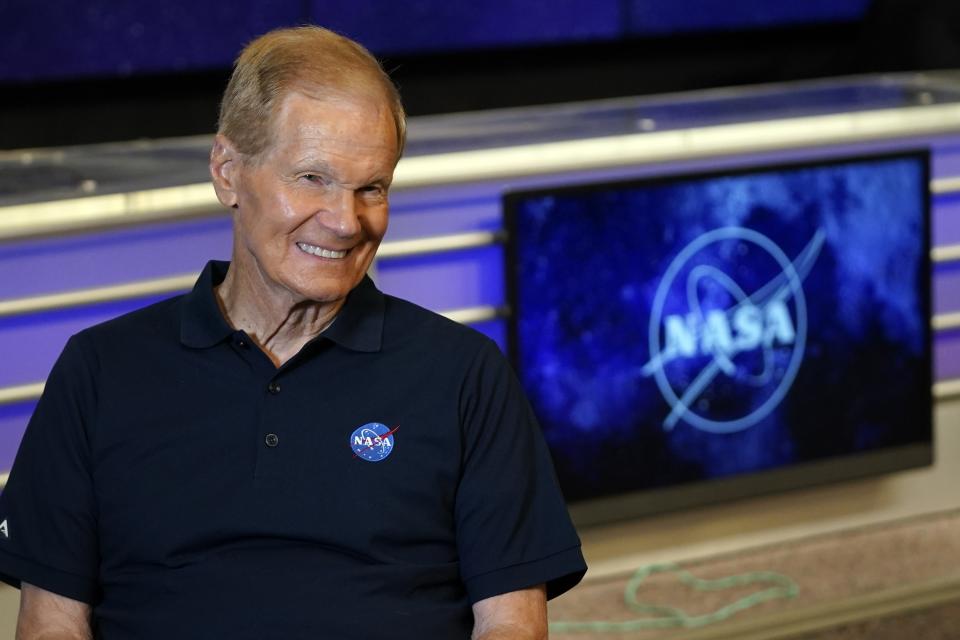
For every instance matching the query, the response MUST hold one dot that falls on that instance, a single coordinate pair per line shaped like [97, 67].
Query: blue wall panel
[665, 17]
[96, 259]
[946, 219]
[436, 25]
[57, 39]
[946, 287]
[467, 278]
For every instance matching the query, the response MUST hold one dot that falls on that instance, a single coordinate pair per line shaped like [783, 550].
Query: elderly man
[286, 452]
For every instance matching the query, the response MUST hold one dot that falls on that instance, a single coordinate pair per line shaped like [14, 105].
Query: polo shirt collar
[358, 326]
[201, 322]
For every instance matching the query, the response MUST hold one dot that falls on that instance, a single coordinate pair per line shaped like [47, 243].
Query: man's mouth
[320, 251]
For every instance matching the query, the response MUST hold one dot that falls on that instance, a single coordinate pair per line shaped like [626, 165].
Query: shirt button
[271, 440]
[242, 343]
[274, 387]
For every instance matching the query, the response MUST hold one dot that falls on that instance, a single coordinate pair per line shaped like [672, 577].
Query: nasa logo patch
[373, 441]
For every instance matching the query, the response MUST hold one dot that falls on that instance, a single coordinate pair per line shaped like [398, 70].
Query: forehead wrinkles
[357, 132]
[351, 124]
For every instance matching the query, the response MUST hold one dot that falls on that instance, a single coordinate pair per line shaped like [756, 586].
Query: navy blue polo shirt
[374, 486]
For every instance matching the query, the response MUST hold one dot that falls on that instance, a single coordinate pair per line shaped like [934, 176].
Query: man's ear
[224, 170]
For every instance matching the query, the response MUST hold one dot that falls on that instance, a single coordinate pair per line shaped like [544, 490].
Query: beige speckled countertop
[851, 585]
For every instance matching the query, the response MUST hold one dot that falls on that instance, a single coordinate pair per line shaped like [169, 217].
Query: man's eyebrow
[384, 180]
[312, 163]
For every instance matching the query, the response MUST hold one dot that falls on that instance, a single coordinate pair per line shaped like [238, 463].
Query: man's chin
[326, 293]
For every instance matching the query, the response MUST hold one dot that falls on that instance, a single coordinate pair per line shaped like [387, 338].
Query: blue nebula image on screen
[701, 327]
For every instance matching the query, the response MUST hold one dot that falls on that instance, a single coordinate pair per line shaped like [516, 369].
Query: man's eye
[315, 178]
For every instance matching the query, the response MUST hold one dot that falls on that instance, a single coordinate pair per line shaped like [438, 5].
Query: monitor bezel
[857, 465]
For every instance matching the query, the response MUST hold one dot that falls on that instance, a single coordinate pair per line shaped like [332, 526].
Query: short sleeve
[513, 528]
[48, 507]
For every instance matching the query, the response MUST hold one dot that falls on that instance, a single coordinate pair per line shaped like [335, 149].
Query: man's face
[312, 212]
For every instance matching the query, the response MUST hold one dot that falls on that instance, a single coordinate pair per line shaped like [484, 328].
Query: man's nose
[340, 214]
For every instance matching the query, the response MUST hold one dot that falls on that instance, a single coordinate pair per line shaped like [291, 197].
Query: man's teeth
[320, 251]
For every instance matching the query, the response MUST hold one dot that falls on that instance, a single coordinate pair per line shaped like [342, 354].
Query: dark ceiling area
[895, 35]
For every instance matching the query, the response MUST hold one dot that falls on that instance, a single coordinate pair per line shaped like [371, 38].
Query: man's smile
[321, 252]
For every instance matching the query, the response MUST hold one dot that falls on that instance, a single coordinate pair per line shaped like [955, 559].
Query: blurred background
[106, 112]
[74, 72]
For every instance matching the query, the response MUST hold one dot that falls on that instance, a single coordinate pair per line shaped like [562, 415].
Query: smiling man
[286, 452]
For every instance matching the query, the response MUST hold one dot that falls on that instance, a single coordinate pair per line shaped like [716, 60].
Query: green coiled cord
[665, 617]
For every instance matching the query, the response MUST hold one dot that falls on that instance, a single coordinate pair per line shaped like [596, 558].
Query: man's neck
[274, 319]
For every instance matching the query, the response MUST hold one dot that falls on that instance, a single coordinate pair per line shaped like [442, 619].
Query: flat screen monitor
[695, 338]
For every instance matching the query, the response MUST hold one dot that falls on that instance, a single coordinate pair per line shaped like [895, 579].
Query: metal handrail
[945, 253]
[946, 389]
[946, 321]
[21, 393]
[440, 244]
[96, 295]
[942, 186]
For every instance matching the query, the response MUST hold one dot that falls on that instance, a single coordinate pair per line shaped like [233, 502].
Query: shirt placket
[271, 386]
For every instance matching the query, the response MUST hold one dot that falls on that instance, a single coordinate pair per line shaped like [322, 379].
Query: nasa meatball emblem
[373, 441]
[708, 328]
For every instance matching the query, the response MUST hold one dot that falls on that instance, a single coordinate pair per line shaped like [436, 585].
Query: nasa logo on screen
[749, 340]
